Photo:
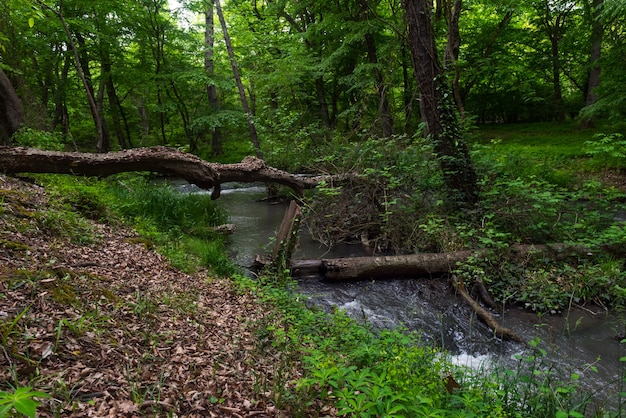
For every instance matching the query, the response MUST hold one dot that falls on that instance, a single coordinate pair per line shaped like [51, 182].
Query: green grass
[180, 225]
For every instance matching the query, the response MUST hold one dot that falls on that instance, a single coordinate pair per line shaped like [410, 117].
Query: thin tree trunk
[321, 97]
[407, 94]
[209, 67]
[114, 105]
[554, 23]
[101, 144]
[452, 52]
[242, 93]
[61, 115]
[384, 108]
[559, 107]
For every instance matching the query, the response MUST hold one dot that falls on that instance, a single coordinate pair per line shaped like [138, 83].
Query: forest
[426, 128]
[276, 77]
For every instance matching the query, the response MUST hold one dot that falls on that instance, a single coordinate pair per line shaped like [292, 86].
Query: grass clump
[163, 216]
[181, 224]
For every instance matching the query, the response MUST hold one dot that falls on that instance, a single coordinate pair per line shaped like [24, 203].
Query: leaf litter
[110, 329]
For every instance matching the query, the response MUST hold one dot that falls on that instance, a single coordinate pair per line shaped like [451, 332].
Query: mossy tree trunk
[438, 108]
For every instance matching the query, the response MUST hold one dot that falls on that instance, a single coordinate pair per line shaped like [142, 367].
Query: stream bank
[583, 341]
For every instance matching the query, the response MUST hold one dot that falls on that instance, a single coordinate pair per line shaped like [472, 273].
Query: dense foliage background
[311, 71]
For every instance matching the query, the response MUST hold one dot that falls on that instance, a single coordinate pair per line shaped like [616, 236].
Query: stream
[574, 341]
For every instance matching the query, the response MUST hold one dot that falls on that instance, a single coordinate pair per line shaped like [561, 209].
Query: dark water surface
[574, 342]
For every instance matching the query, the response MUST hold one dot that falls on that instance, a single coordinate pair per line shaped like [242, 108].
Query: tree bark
[437, 107]
[411, 265]
[209, 67]
[162, 160]
[11, 113]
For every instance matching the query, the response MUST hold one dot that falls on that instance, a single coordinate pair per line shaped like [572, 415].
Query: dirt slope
[108, 328]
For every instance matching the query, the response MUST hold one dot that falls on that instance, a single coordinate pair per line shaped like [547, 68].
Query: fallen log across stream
[412, 265]
[158, 159]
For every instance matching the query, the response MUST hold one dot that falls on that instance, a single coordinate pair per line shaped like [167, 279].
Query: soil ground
[109, 329]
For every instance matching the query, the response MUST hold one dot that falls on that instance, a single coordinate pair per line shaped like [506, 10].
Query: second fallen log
[414, 265]
[421, 265]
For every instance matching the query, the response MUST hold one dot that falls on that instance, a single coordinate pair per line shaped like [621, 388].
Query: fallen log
[164, 160]
[287, 237]
[485, 316]
[412, 265]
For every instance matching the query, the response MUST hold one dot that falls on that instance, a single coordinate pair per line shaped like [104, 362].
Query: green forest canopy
[310, 70]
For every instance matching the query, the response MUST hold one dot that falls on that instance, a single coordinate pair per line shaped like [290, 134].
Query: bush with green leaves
[27, 137]
[399, 184]
[545, 285]
[609, 150]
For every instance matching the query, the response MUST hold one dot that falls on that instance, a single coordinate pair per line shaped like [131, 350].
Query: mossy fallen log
[414, 265]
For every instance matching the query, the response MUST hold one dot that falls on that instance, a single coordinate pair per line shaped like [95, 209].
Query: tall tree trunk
[554, 22]
[242, 92]
[140, 104]
[61, 115]
[453, 46]
[321, 97]
[408, 91]
[384, 108]
[115, 108]
[559, 106]
[101, 142]
[437, 108]
[209, 67]
[593, 78]
[11, 112]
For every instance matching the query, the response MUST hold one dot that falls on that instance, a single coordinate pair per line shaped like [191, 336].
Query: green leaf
[561, 414]
[31, 22]
[4, 411]
[26, 406]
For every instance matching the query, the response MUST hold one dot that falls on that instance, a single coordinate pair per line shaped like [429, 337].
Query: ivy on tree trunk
[438, 108]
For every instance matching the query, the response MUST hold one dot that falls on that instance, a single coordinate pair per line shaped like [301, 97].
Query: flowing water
[575, 341]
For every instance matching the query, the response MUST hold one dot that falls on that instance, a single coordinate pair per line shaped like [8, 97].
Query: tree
[209, 67]
[102, 143]
[11, 113]
[611, 93]
[593, 12]
[553, 15]
[437, 106]
[242, 93]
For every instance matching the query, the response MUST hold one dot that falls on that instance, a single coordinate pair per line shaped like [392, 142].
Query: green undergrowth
[346, 368]
[364, 372]
[179, 225]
